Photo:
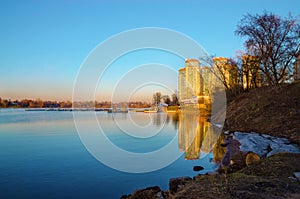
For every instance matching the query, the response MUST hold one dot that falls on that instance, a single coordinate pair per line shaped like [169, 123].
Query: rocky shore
[265, 124]
[268, 149]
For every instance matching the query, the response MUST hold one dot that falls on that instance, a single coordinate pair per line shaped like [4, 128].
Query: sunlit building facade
[181, 84]
[206, 76]
[297, 69]
[189, 80]
[226, 72]
[192, 72]
[196, 135]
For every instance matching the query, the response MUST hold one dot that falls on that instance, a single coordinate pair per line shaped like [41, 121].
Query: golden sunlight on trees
[227, 71]
[274, 41]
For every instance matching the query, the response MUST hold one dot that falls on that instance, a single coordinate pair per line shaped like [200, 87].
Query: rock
[159, 195]
[252, 158]
[177, 184]
[238, 161]
[124, 196]
[154, 188]
[232, 145]
[198, 168]
[234, 158]
[149, 192]
[232, 149]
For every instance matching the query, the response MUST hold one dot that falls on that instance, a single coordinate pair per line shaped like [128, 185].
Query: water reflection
[158, 119]
[174, 118]
[197, 135]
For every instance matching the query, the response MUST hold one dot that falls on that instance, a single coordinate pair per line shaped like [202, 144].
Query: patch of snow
[262, 144]
[217, 125]
[297, 175]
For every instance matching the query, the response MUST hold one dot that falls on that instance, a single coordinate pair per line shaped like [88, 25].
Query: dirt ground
[270, 178]
[270, 110]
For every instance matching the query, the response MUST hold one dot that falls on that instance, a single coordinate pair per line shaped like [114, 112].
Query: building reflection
[201, 97]
[174, 118]
[197, 135]
[159, 119]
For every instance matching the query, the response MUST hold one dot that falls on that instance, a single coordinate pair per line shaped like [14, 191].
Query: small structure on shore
[116, 109]
[161, 107]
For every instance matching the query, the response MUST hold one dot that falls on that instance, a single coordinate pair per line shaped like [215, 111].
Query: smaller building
[227, 72]
[206, 78]
[297, 69]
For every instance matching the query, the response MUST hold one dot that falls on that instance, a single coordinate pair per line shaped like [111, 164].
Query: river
[42, 155]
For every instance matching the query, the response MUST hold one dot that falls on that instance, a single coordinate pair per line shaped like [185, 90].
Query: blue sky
[44, 43]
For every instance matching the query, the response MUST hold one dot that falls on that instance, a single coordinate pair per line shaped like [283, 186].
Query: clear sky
[44, 43]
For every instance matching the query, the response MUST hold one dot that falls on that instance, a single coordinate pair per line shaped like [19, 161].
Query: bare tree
[156, 98]
[174, 99]
[166, 99]
[274, 40]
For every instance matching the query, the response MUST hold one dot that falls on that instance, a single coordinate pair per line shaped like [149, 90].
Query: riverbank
[268, 110]
[271, 111]
[270, 178]
[264, 167]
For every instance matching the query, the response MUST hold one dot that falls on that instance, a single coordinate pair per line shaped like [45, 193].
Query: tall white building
[189, 80]
[192, 77]
[181, 84]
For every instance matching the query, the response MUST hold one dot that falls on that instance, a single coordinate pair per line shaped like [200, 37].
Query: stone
[124, 196]
[252, 158]
[177, 184]
[232, 149]
[233, 159]
[198, 168]
[237, 162]
[149, 192]
[154, 188]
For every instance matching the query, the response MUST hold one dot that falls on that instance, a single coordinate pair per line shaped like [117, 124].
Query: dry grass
[270, 110]
[270, 178]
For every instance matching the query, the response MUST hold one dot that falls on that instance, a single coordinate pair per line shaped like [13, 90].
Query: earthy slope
[270, 178]
[269, 110]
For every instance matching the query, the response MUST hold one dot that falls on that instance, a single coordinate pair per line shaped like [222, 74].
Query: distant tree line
[38, 103]
[139, 104]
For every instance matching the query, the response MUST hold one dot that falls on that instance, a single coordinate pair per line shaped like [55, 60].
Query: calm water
[42, 156]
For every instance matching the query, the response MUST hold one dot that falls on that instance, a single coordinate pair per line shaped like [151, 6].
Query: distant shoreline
[76, 109]
[66, 109]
